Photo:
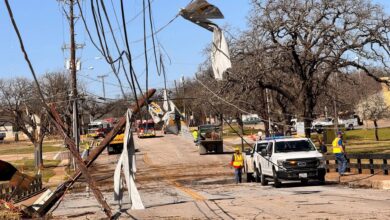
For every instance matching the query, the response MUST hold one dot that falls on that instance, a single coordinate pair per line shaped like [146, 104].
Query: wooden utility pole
[241, 132]
[62, 188]
[336, 115]
[73, 70]
[104, 89]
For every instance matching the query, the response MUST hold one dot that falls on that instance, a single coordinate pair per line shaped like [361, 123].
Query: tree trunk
[376, 130]
[309, 104]
[16, 136]
[38, 152]
[307, 124]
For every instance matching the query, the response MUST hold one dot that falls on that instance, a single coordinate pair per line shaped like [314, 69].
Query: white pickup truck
[251, 158]
[285, 158]
[350, 123]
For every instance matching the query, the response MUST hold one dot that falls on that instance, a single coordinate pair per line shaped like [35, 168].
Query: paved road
[175, 182]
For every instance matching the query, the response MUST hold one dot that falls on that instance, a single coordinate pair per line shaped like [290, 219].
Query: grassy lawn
[27, 166]
[363, 141]
[369, 134]
[5, 149]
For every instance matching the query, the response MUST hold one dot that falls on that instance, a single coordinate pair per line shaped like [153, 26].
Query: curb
[374, 184]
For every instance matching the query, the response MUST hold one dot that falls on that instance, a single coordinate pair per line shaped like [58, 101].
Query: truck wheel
[220, 149]
[257, 178]
[277, 183]
[322, 180]
[263, 180]
[202, 149]
[249, 177]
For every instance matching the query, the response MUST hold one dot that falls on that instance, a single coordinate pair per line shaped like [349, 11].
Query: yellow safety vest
[337, 149]
[238, 160]
[195, 135]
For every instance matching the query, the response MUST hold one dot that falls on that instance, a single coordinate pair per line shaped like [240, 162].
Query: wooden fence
[361, 162]
[35, 187]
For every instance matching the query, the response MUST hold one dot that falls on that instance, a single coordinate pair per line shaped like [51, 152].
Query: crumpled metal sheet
[156, 112]
[220, 58]
[127, 165]
[200, 11]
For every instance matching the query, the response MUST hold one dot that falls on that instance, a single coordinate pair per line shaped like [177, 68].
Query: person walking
[339, 152]
[238, 163]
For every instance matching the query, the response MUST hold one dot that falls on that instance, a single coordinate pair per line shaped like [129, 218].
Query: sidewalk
[375, 181]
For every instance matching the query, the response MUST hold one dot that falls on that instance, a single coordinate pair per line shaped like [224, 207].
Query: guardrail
[35, 187]
[361, 162]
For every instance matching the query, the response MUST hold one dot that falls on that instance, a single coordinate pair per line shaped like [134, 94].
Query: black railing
[360, 162]
[6, 191]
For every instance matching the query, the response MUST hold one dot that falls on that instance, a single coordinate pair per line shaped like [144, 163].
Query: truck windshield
[292, 146]
[94, 127]
[146, 126]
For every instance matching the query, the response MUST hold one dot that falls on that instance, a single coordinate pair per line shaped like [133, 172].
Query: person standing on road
[339, 152]
[237, 162]
[195, 135]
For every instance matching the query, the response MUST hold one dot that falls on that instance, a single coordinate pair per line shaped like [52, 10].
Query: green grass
[369, 134]
[27, 166]
[363, 141]
[28, 149]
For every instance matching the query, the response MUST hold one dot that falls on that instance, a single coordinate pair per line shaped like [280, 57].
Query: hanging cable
[145, 46]
[153, 40]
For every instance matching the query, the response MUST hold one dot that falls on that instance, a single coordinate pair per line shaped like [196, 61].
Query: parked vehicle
[116, 145]
[319, 124]
[250, 160]
[352, 122]
[286, 158]
[251, 120]
[210, 139]
[98, 128]
[2, 136]
[146, 129]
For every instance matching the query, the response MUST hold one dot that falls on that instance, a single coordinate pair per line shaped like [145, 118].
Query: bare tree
[296, 47]
[374, 108]
[24, 112]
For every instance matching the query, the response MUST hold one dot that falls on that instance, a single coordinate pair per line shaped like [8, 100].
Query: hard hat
[237, 149]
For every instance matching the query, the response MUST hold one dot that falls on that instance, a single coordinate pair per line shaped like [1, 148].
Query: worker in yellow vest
[238, 163]
[195, 135]
[88, 148]
[339, 152]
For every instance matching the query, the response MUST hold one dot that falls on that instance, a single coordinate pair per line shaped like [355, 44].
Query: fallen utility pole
[80, 163]
[60, 191]
[54, 116]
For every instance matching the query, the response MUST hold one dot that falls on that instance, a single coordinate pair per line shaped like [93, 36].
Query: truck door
[267, 165]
